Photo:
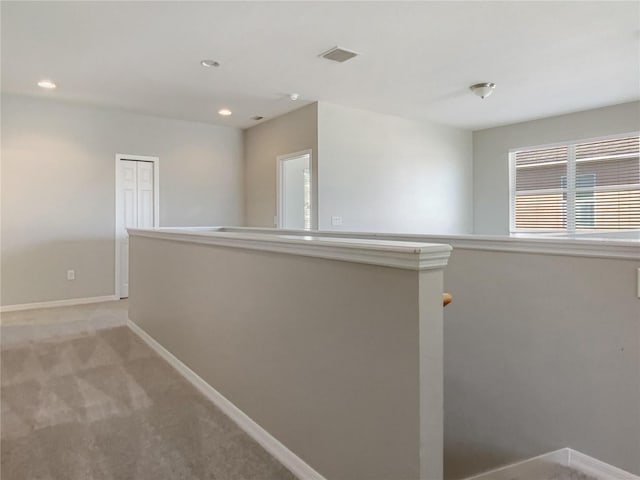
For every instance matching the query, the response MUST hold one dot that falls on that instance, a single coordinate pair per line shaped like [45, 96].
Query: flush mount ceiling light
[209, 63]
[48, 84]
[338, 54]
[483, 90]
[225, 112]
[294, 96]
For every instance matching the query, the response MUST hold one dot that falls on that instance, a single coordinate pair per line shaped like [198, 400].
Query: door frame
[279, 172]
[118, 214]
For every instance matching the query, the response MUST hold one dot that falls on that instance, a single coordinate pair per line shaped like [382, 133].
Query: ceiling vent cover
[338, 54]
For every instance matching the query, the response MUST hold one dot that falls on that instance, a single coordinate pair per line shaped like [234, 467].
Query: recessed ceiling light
[48, 84]
[209, 63]
[225, 112]
[294, 96]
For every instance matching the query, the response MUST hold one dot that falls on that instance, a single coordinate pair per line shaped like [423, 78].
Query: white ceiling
[417, 58]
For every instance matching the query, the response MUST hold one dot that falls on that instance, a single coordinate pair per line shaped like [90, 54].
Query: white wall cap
[404, 254]
[626, 249]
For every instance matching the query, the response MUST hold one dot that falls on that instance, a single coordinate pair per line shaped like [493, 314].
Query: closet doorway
[137, 206]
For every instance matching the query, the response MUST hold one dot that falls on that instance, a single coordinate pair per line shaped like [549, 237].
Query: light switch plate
[71, 274]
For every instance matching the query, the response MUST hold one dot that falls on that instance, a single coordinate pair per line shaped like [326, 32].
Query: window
[592, 185]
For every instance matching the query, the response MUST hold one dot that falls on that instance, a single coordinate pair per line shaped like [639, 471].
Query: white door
[136, 205]
[295, 192]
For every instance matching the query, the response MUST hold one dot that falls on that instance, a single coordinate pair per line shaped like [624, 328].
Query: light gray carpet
[561, 472]
[104, 406]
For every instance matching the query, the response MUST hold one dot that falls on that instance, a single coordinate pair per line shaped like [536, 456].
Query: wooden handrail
[446, 299]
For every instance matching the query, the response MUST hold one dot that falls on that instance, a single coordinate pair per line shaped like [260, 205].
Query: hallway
[103, 405]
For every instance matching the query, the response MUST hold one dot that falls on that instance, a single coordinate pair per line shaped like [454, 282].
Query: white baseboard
[593, 466]
[58, 303]
[566, 457]
[517, 470]
[290, 460]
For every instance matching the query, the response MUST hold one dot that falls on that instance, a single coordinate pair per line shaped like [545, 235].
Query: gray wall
[325, 355]
[378, 172]
[290, 133]
[541, 352]
[491, 154]
[58, 182]
[382, 173]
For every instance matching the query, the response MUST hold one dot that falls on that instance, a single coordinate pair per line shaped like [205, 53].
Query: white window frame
[571, 172]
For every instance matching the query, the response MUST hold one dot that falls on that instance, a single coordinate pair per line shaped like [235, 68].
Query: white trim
[566, 457]
[570, 205]
[511, 471]
[547, 245]
[512, 191]
[290, 460]
[156, 204]
[279, 172]
[575, 140]
[409, 255]
[57, 303]
[593, 466]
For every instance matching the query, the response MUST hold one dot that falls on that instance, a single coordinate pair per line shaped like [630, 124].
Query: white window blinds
[593, 185]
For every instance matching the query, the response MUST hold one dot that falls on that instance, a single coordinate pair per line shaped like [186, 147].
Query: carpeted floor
[104, 406]
[567, 473]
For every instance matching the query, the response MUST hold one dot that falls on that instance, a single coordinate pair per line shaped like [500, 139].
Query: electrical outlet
[71, 274]
[336, 221]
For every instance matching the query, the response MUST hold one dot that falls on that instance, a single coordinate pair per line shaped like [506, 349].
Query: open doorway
[295, 191]
[137, 206]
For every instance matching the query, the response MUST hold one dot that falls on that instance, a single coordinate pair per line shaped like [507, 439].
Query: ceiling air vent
[338, 54]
